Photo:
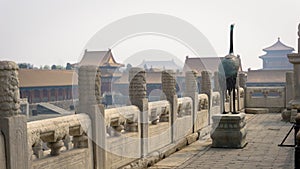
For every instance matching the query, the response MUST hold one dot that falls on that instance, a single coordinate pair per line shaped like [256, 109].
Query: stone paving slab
[265, 132]
[184, 155]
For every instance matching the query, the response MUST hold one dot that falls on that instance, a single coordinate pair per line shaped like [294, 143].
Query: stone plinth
[229, 131]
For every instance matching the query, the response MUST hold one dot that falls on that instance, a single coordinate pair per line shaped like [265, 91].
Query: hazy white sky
[56, 31]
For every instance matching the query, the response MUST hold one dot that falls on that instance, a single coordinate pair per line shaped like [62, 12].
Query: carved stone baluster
[67, 142]
[131, 126]
[80, 141]
[55, 147]
[38, 149]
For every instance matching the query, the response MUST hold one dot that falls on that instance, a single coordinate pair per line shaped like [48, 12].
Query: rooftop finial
[278, 38]
[231, 39]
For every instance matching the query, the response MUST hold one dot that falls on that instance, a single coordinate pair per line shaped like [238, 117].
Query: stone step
[256, 110]
[52, 109]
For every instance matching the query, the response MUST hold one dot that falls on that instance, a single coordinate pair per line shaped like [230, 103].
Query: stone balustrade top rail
[52, 130]
[120, 115]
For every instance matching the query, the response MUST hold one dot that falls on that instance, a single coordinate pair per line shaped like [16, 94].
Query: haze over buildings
[47, 32]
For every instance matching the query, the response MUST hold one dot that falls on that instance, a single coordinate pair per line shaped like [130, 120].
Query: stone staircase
[47, 108]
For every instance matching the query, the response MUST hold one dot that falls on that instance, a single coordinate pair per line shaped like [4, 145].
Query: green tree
[53, 67]
[69, 66]
[46, 67]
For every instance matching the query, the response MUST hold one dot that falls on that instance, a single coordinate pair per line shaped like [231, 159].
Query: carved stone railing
[203, 102]
[184, 107]
[68, 132]
[158, 110]
[121, 119]
[242, 92]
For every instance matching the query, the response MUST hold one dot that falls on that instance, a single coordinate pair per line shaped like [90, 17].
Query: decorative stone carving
[184, 106]
[9, 89]
[55, 147]
[137, 86]
[38, 149]
[56, 133]
[169, 84]
[169, 89]
[80, 141]
[67, 142]
[203, 102]
[205, 83]
[191, 82]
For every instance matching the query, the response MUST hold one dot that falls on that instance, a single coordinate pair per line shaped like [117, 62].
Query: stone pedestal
[229, 131]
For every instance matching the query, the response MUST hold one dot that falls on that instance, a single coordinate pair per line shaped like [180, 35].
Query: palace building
[276, 57]
[56, 85]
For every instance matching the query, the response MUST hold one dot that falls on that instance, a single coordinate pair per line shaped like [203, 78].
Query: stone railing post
[144, 119]
[137, 86]
[216, 81]
[137, 95]
[297, 142]
[137, 92]
[242, 84]
[13, 127]
[205, 83]
[169, 89]
[206, 89]
[89, 88]
[242, 80]
[294, 58]
[289, 88]
[192, 91]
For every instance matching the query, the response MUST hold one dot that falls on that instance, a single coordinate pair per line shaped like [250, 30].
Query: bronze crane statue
[228, 70]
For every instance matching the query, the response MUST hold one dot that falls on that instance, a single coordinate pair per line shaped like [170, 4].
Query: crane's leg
[233, 99]
[223, 93]
[230, 102]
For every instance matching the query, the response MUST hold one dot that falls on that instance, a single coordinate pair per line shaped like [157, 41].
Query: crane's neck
[231, 39]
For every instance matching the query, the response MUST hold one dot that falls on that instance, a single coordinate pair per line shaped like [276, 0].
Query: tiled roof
[266, 76]
[168, 64]
[200, 64]
[278, 46]
[42, 78]
[99, 58]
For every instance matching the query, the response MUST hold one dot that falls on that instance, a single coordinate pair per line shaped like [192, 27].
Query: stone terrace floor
[265, 132]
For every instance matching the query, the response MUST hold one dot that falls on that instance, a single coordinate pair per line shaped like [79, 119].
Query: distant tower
[276, 57]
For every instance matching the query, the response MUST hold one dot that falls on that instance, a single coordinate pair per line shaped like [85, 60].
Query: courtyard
[265, 132]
